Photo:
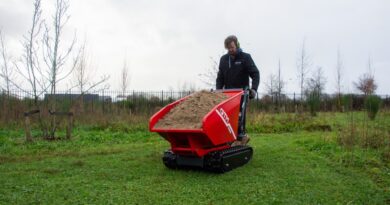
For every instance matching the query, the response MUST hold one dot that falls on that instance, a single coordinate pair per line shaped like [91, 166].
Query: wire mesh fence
[15, 103]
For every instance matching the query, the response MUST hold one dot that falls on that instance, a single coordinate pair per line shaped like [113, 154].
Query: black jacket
[235, 73]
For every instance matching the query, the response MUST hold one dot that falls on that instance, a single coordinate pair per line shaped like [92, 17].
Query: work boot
[244, 140]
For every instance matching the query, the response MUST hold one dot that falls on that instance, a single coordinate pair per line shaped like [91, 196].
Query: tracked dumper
[210, 146]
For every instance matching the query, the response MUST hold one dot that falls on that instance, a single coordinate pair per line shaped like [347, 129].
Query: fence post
[162, 97]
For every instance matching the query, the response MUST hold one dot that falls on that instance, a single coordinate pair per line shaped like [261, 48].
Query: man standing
[235, 69]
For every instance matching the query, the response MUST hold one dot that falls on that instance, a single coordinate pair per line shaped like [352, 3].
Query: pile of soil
[189, 113]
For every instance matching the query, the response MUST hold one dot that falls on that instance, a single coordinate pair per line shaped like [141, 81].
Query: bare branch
[366, 83]
[303, 66]
[82, 75]
[103, 79]
[280, 83]
[209, 76]
[29, 67]
[339, 74]
[6, 71]
[317, 82]
[124, 83]
[271, 84]
[53, 56]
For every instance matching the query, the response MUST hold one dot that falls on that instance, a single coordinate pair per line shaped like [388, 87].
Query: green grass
[123, 166]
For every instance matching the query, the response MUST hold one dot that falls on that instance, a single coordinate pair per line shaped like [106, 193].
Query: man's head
[232, 44]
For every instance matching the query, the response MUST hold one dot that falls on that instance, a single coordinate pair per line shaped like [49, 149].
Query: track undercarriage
[217, 161]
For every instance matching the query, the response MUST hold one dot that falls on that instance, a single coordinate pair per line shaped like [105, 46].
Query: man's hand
[252, 93]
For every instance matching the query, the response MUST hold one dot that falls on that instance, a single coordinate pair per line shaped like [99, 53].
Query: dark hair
[232, 38]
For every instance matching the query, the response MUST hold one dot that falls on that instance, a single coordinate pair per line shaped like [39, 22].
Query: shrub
[374, 139]
[314, 101]
[372, 104]
[346, 101]
[348, 137]
[386, 154]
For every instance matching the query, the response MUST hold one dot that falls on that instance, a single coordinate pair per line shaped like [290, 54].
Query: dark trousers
[242, 119]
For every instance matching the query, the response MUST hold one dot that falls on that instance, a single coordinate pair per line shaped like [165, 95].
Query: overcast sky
[167, 43]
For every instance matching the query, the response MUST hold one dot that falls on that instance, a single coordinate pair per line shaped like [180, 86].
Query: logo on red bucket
[225, 119]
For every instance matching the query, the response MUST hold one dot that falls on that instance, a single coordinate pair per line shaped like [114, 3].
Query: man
[235, 69]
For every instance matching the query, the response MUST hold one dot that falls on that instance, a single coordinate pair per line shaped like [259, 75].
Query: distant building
[86, 97]
[105, 98]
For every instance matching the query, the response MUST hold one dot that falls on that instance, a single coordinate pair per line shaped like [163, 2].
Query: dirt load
[189, 113]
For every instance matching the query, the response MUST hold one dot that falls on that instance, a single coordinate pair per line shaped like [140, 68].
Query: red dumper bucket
[207, 147]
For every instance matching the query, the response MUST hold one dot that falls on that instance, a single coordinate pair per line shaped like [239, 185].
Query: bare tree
[271, 85]
[314, 89]
[339, 77]
[6, 75]
[339, 74]
[124, 82]
[6, 71]
[210, 75]
[81, 78]
[366, 83]
[125, 78]
[317, 82]
[56, 57]
[275, 83]
[83, 75]
[28, 67]
[30, 71]
[303, 66]
[280, 83]
[274, 86]
[280, 86]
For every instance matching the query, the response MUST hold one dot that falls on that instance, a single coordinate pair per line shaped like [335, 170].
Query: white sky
[169, 42]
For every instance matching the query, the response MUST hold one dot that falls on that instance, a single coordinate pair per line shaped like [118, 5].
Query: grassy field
[122, 165]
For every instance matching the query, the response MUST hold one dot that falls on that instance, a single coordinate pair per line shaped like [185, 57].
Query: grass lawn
[113, 167]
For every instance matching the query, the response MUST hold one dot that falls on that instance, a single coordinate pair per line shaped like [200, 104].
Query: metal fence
[15, 103]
